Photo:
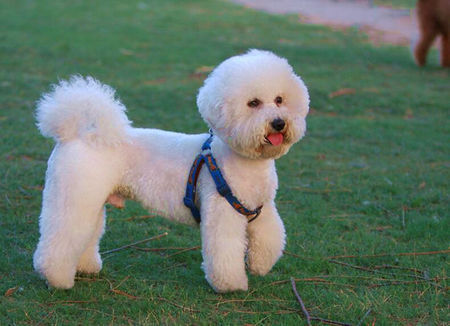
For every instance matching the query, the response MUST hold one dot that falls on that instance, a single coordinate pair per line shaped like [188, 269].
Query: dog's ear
[209, 102]
[303, 95]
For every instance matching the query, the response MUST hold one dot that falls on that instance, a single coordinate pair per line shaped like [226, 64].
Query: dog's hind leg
[65, 235]
[90, 261]
[78, 181]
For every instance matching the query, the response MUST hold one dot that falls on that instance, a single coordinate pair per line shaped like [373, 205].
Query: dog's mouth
[274, 139]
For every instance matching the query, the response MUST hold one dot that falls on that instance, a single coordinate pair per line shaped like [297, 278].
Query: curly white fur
[99, 157]
[82, 108]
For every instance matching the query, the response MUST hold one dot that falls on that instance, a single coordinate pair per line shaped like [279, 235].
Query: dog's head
[256, 104]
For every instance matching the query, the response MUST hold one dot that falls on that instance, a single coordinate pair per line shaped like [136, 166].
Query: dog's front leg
[266, 240]
[223, 245]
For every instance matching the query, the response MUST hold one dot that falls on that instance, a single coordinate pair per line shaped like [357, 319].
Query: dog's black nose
[278, 124]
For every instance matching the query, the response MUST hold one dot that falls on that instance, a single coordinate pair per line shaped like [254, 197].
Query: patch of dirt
[381, 24]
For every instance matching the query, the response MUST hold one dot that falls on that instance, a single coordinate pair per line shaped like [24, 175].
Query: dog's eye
[254, 103]
[278, 100]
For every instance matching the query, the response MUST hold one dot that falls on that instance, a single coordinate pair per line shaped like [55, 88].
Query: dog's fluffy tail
[82, 108]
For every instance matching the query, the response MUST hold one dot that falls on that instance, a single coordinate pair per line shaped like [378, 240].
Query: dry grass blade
[394, 282]
[173, 266]
[248, 300]
[446, 251]
[120, 292]
[313, 280]
[362, 268]
[159, 249]
[374, 271]
[121, 282]
[68, 302]
[134, 244]
[330, 322]
[415, 270]
[142, 217]
[342, 91]
[320, 191]
[295, 255]
[184, 250]
[306, 313]
[302, 305]
[11, 291]
[364, 317]
[177, 305]
[306, 279]
[252, 312]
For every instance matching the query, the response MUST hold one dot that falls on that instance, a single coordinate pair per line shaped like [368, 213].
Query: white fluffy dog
[255, 106]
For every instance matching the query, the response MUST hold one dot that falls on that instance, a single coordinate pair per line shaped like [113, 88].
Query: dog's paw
[51, 285]
[226, 281]
[259, 269]
[58, 274]
[90, 264]
[260, 264]
[60, 279]
[226, 286]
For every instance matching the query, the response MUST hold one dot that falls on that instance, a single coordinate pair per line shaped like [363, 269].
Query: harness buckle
[258, 211]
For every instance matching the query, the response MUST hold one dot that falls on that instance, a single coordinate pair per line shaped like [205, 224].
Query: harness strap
[191, 187]
[221, 185]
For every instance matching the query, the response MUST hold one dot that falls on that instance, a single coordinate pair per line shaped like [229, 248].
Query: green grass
[409, 4]
[370, 177]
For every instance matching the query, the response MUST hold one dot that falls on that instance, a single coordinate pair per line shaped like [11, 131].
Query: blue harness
[221, 185]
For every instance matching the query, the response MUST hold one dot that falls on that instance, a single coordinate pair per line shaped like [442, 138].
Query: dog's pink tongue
[275, 139]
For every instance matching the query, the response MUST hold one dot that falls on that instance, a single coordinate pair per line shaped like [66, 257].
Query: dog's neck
[224, 154]
[256, 178]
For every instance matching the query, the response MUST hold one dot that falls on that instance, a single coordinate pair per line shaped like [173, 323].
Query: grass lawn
[370, 179]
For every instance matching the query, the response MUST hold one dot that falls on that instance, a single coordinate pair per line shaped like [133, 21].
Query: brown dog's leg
[428, 31]
[445, 51]
[442, 13]
[425, 42]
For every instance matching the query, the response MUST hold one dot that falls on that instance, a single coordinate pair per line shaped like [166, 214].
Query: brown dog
[434, 20]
